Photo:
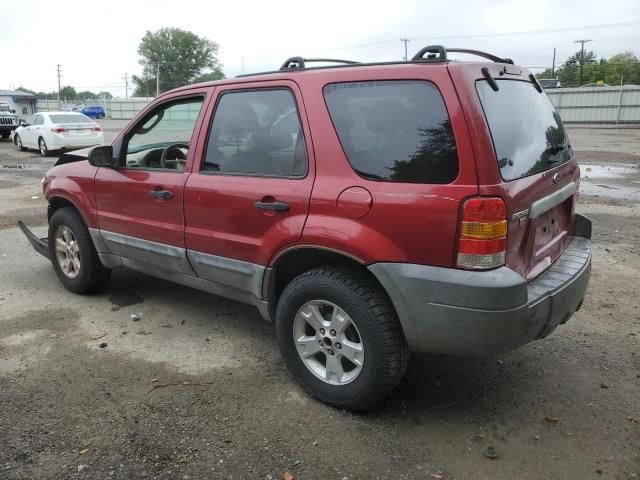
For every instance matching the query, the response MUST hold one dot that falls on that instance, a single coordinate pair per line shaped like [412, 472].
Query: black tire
[5, 134]
[18, 143]
[385, 349]
[92, 275]
[42, 147]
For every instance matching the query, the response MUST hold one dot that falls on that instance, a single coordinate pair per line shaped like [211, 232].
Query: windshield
[4, 107]
[69, 118]
[528, 135]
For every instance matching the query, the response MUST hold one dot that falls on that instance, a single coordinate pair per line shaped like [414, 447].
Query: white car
[49, 131]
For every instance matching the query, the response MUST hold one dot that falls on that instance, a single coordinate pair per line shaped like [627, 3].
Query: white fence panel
[598, 104]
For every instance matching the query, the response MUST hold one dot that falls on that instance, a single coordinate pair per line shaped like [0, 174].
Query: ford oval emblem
[556, 177]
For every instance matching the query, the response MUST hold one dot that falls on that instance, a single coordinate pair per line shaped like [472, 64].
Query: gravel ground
[196, 388]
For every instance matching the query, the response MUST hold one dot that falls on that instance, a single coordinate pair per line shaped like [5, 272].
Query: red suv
[367, 209]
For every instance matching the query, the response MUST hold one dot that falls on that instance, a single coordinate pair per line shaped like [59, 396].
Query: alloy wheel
[67, 251]
[328, 342]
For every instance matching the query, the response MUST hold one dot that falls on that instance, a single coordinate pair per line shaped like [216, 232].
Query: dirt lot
[196, 388]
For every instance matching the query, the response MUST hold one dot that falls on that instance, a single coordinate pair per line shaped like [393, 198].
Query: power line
[405, 41]
[126, 85]
[582, 42]
[490, 35]
[59, 70]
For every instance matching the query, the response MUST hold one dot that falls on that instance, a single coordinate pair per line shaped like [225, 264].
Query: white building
[23, 103]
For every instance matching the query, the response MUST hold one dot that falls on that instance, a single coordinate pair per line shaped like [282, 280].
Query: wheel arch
[57, 202]
[294, 261]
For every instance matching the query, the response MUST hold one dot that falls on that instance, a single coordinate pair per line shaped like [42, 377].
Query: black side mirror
[102, 156]
[24, 123]
[13, 111]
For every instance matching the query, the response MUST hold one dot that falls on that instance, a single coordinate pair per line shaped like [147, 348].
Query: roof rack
[438, 53]
[435, 53]
[299, 63]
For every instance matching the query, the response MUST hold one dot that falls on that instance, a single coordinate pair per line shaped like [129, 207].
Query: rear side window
[395, 131]
[257, 133]
[528, 135]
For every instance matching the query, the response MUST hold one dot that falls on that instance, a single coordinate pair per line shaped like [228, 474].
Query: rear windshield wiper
[555, 149]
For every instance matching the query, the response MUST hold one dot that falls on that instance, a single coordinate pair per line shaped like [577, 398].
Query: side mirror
[23, 123]
[13, 111]
[102, 156]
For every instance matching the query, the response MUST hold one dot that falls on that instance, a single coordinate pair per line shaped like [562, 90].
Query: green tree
[104, 94]
[68, 92]
[622, 65]
[179, 55]
[217, 74]
[86, 94]
[25, 90]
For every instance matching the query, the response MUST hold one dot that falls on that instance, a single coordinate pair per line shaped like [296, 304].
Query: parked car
[93, 112]
[548, 83]
[50, 131]
[8, 120]
[367, 209]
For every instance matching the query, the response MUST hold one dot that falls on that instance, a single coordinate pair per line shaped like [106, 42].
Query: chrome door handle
[164, 194]
[278, 206]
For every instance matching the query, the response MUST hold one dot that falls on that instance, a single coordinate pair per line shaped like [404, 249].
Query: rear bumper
[59, 143]
[450, 311]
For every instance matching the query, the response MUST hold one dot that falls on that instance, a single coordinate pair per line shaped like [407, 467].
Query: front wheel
[42, 146]
[73, 254]
[19, 144]
[340, 336]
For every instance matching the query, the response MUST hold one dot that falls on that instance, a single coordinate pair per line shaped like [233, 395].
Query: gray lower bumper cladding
[444, 310]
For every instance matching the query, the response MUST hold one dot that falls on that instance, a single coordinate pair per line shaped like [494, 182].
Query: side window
[256, 133]
[394, 131]
[38, 120]
[162, 139]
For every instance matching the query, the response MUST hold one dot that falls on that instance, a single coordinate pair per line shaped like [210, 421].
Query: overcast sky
[96, 42]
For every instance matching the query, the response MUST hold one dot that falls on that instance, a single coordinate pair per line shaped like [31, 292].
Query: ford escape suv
[367, 209]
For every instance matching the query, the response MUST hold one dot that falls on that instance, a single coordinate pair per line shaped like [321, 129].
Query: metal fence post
[619, 103]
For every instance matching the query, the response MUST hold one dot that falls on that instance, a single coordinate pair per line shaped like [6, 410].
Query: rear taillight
[96, 129]
[58, 130]
[483, 233]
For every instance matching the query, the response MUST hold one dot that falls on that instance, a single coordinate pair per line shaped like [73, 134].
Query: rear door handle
[164, 194]
[277, 205]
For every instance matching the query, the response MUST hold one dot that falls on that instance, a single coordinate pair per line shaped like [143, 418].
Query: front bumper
[444, 310]
[40, 245]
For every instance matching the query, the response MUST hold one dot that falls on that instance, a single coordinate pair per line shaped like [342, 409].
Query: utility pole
[581, 42]
[59, 70]
[157, 79]
[553, 65]
[405, 41]
[126, 85]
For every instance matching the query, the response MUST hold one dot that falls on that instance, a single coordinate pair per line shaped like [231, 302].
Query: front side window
[256, 132]
[394, 131]
[162, 139]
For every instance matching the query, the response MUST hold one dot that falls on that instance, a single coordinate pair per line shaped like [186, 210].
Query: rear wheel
[73, 254]
[19, 144]
[42, 146]
[340, 336]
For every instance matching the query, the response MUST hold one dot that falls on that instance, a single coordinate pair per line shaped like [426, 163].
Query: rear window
[528, 135]
[69, 118]
[395, 131]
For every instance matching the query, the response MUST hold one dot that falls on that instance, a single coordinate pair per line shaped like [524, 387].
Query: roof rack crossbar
[438, 53]
[299, 63]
